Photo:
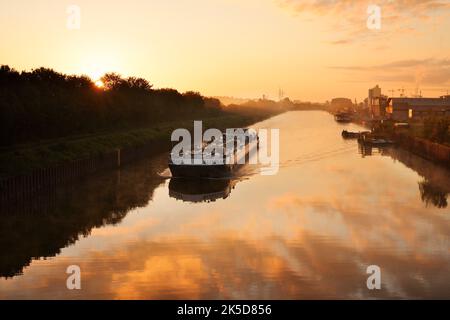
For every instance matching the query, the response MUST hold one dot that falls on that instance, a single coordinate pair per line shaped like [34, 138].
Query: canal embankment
[26, 170]
[408, 138]
[430, 150]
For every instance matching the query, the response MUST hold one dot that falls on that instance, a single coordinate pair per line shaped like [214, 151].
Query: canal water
[310, 231]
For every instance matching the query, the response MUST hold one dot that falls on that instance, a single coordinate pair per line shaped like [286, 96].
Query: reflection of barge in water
[200, 190]
[213, 169]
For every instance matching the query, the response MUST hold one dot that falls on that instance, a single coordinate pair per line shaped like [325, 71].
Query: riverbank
[29, 168]
[415, 137]
[412, 138]
[123, 227]
[427, 149]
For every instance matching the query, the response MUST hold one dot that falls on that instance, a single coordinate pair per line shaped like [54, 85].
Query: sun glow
[99, 84]
[96, 75]
[96, 64]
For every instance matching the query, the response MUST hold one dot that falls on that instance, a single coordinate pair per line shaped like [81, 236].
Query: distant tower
[373, 101]
[280, 94]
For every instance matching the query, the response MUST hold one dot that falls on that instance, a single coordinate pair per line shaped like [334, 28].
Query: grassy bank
[24, 159]
[51, 120]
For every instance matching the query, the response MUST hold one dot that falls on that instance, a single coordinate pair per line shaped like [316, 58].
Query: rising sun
[99, 84]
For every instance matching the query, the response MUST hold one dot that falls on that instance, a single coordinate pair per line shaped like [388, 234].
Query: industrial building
[404, 109]
[341, 104]
[377, 103]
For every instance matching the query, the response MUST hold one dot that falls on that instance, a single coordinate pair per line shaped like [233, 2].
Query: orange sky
[314, 50]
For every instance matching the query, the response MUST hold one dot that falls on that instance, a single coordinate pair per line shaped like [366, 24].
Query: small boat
[352, 135]
[343, 117]
[349, 135]
[379, 142]
[366, 139]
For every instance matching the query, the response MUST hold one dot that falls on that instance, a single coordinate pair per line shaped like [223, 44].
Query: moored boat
[379, 142]
[352, 135]
[343, 117]
[368, 139]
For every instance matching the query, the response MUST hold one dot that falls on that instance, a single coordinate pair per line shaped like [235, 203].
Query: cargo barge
[216, 170]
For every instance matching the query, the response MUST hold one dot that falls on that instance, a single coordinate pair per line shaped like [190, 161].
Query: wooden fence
[19, 188]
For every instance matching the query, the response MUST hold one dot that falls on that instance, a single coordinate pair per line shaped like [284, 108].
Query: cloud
[419, 8]
[348, 17]
[343, 41]
[428, 71]
[399, 64]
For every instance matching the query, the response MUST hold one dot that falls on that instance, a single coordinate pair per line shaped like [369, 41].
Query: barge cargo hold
[215, 170]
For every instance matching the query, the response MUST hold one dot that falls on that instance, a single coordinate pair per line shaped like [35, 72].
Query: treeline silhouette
[45, 104]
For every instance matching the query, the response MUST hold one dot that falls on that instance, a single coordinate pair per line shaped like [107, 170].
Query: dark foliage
[44, 104]
[437, 129]
[431, 193]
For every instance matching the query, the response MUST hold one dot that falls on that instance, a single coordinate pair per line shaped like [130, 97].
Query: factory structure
[377, 103]
[405, 108]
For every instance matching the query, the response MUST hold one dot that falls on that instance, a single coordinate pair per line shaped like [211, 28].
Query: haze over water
[308, 232]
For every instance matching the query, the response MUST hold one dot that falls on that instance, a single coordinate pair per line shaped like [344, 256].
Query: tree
[113, 81]
[138, 84]
[436, 129]
[45, 104]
